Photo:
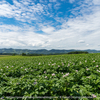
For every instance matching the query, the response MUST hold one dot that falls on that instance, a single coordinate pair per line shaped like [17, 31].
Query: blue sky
[50, 24]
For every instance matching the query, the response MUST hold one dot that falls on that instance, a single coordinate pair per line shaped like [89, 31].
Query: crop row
[63, 75]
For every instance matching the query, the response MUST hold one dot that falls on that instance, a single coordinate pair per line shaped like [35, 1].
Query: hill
[42, 51]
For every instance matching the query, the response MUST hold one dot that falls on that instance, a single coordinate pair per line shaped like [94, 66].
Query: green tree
[23, 54]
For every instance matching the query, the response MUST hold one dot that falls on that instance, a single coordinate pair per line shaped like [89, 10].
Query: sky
[50, 24]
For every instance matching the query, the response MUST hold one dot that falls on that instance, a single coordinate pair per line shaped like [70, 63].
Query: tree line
[78, 52]
[34, 54]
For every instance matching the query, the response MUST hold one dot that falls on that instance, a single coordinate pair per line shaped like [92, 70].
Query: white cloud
[57, 6]
[87, 44]
[6, 10]
[25, 11]
[71, 1]
[41, 1]
[17, 4]
[6, 28]
[48, 29]
[50, 5]
[81, 41]
[52, 0]
[18, 39]
[80, 32]
[96, 2]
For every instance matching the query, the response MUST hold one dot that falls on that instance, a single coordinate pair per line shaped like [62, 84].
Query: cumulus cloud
[48, 30]
[17, 39]
[81, 41]
[81, 31]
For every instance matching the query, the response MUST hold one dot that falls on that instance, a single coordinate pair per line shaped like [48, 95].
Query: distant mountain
[42, 51]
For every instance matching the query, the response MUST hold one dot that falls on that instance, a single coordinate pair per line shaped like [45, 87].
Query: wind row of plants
[56, 75]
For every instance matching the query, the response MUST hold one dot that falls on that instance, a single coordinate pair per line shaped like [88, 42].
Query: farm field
[53, 75]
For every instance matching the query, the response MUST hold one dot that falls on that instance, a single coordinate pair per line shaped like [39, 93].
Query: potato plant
[57, 75]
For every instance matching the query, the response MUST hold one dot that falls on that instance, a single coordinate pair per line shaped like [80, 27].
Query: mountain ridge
[43, 51]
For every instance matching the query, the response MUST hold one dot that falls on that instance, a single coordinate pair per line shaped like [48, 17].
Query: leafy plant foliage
[56, 75]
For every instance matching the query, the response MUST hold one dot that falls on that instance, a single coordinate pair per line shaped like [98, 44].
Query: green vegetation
[78, 52]
[53, 75]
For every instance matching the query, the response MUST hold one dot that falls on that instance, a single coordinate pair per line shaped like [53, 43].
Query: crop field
[52, 76]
